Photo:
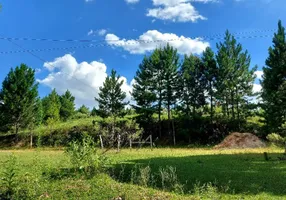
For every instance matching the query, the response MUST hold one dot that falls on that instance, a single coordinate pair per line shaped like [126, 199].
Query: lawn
[204, 174]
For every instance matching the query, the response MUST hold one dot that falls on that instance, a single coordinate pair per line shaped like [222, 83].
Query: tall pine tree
[193, 85]
[18, 98]
[142, 91]
[273, 83]
[210, 73]
[235, 78]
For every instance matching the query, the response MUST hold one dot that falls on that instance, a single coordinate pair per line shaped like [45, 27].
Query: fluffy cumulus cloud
[82, 79]
[131, 1]
[176, 10]
[259, 74]
[152, 39]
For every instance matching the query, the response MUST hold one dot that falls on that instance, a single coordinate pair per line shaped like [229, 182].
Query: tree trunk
[31, 140]
[227, 110]
[232, 105]
[159, 112]
[173, 129]
[237, 108]
[169, 119]
[211, 92]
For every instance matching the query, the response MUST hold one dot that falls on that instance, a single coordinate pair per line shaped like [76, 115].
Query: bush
[276, 139]
[85, 157]
[8, 181]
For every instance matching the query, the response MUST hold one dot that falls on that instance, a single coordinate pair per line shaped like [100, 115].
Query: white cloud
[90, 32]
[259, 74]
[257, 87]
[100, 32]
[88, 1]
[183, 12]
[82, 79]
[152, 39]
[176, 2]
[176, 10]
[132, 1]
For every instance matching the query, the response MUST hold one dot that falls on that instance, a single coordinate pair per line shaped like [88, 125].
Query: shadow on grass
[69, 173]
[242, 173]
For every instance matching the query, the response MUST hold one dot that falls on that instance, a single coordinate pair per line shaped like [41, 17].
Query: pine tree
[274, 80]
[67, 109]
[18, 98]
[39, 112]
[142, 91]
[210, 73]
[51, 107]
[235, 78]
[83, 110]
[111, 97]
[157, 69]
[193, 84]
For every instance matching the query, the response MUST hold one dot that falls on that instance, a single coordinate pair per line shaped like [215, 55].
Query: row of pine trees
[191, 86]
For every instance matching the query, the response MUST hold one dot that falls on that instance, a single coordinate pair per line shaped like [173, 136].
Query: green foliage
[51, 107]
[210, 74]
[143, 91]
[276, 139]
[235, 78]
[193, 85]
[111, 97]
[67, 106]
[169, 179]
[18, 98]
[8, 180]
[273, 83]
[84, 155]
[39, 112]
[84, 110]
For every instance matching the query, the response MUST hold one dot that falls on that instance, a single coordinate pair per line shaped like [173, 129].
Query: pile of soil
[240, 141]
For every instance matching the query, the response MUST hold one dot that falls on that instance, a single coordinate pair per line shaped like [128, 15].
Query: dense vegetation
[190, 99]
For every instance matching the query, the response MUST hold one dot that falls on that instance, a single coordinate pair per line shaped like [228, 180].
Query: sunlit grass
[245, 172]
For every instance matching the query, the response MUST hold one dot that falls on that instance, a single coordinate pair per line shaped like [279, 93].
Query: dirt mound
[240, 141]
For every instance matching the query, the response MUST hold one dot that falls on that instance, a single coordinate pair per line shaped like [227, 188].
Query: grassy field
[202, 173]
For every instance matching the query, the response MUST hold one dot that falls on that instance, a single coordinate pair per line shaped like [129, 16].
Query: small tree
[111, 98]
[83, 110]
[51, 107]
[67, 106]
[18, 98]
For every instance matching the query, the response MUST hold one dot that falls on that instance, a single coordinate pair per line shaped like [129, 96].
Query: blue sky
[118, 23]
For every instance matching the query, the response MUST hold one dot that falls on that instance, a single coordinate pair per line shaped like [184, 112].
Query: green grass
[236, 174]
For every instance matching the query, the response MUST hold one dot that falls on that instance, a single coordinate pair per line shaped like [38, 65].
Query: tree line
[169, 91]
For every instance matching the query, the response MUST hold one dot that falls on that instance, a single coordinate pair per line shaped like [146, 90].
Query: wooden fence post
[101, 142]
[118, 143]
[151, 142]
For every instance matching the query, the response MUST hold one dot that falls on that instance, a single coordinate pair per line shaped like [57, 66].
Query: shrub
[8, 179]
[276, 139]
[84, 155]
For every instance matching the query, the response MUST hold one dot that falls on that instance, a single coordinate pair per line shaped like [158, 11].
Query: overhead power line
[210, 37]
[43, 60]
[119, 43]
